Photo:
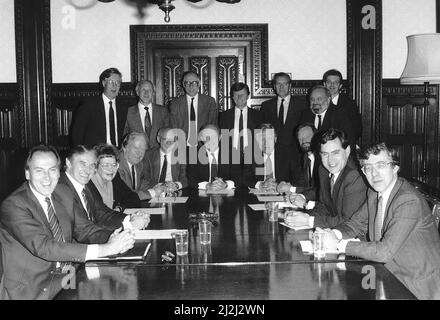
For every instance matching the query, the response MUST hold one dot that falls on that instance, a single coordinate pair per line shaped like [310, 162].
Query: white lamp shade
[423, 61]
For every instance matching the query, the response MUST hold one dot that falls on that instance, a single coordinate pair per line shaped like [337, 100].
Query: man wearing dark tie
[332, 80]
[163, 167]
[211, 172]
[43, 232]
[283, 111]
[80, 167]
[101, 119]
[238, 124]
[194, 110]
[342, 190]
[324, 115]
[397, 223]
[146, 116]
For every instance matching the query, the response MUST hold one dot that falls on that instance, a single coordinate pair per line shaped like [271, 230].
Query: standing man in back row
[101, 119]
[194, 110]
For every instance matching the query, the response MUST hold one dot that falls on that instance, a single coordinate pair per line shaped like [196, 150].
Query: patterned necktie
[147, 121]
[378, 221]
[112, 125]
[214, 167]
[86, 203]
[332, 183]
[133, 177]
[308, 168]
[163, 173]
[53, 222]
[319, 122]
[268, 168]
[192, 135]
[281, 112]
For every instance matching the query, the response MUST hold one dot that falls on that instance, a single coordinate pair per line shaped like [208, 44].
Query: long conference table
[249, 258]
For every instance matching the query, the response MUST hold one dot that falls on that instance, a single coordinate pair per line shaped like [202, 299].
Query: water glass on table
[318, 244]
[181, 238]
[272, 210]
[205, 231]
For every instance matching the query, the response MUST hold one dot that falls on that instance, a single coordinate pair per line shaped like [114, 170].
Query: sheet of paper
[225, 191]
[154, 234]
[307, 247]
[259, 192]
[295, 228]
[160, 210]
[257, 206]
[270, 198]
[169, 200]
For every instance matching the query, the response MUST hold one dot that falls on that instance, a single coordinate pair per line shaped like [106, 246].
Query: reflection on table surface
[249, 258]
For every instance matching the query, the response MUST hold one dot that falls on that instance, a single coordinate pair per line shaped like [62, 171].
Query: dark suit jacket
[242, 173]
[199, 172]
[123, 196]
[310, 187]
[410, 244]
[285, 133]
[334, 118]
[89, 125]
[142, 185]
[30, 252]
[152, 169]
[160, 120]
[99, 212]
[352, 111]
[286, 167]
[349, 194]
[207, 112]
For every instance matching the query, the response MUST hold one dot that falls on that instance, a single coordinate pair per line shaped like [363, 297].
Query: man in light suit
[132, 166]
[101, 119]
[80, 167]
[398, 224]
[146, 116]
[163, 166]
[332, 80]
[39, 226]
[342, 189]
[194, 110]
[283, 112]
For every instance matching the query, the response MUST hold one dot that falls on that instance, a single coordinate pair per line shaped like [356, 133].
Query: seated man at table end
[211, 172]
[399, 225]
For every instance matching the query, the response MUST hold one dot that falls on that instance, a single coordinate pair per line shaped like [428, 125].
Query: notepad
[270, 198]
[154, 234]
[295, 228]
[260, 192]
[137, 253]
[307, 247]
[160, 210]
[224, 191]
[257, 206]
[169, 200]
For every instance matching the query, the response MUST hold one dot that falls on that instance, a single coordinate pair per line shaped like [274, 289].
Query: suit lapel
[156, 164]
[63, 218]
[137, 119]
[393, 193]
[124, 171]
[41, 216]
[121, 117]
[290, 113]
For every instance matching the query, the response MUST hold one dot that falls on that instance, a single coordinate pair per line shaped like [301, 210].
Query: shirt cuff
[92, 251]
[310, 205]
[257, 185]
[152, 192]
[293, 189]
[202, 185]
[311, 221]
[231, 184]
[337, 233]
[126, 222]
[179, 184]
[92, 272]
[343, 244]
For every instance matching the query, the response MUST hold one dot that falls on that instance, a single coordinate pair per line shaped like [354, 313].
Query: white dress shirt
[266, 170]
[196, 106]
[335, 100]
[107, 118]
[322, 119]
[143, 112]
[202, 185]
[236, 140]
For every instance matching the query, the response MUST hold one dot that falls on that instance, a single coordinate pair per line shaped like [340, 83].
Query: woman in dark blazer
[108, 184]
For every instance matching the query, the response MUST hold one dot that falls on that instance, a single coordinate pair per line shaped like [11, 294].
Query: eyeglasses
[190, 83]
[381, 165]
[85, 165]
[114, 82]
[109, 166]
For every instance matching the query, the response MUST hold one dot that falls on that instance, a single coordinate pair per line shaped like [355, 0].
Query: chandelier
[166, 5]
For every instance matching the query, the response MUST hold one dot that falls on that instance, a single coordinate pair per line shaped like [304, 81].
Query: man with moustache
[398, 225]
[80, 167]
[146, 116]
[324, 115]
[101, 119]
[342, 189]
[42, 232]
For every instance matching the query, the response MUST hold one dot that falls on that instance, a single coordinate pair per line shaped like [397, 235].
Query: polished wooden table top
[249, 258]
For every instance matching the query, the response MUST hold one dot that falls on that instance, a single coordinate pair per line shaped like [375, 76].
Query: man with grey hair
[146, 116]
[325, 115]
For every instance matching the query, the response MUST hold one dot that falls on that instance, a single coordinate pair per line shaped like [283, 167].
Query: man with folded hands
[342, 189]
[212, 170]
[272, 165]
[397, 223]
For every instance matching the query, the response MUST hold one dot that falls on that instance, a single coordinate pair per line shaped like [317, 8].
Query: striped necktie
[86, 203]
[53, 222]
[379, 220]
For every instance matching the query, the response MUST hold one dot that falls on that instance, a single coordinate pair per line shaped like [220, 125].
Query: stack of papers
[224, 191]
[270, 198]
[295, 228]
[257, 206]
[307, 247]
[169, 200]
[160, 210]
[258, 192]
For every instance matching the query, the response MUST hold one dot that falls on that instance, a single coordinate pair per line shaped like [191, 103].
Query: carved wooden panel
[227, 75]
[202, 66]
[172, 73]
